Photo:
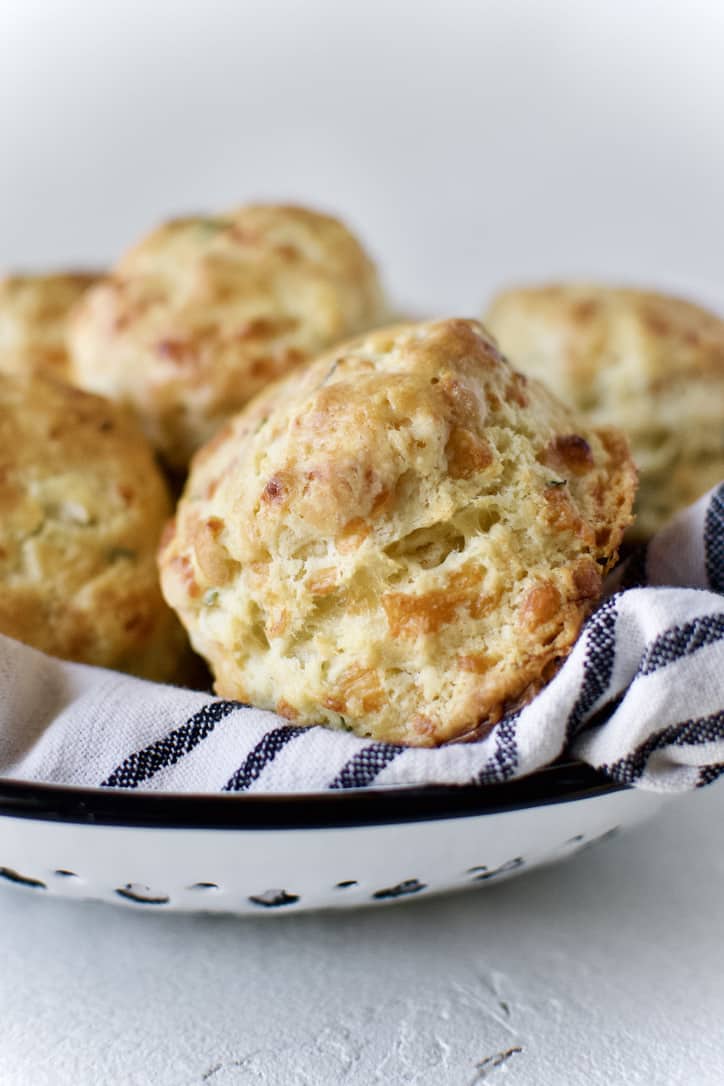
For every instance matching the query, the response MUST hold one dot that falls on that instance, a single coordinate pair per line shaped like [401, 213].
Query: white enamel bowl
[277, 855]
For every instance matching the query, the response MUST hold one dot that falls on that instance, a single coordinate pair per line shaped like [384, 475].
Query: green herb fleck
[211, 226]
[211, 596]
[118, 554]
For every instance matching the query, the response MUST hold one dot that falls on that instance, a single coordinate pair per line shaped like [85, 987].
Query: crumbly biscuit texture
[402, 539]
[652, 364]
[34, 312]
[82, 506]
[204, 312]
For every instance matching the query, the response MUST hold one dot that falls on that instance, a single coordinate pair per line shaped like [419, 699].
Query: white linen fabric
[641, 698]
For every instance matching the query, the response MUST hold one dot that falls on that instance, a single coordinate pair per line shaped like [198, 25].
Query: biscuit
[204, 312]
[82, 506]
[33, 316]
[402, 539]
[651, 364]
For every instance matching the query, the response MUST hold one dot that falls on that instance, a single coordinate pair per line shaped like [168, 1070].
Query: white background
[471, 144]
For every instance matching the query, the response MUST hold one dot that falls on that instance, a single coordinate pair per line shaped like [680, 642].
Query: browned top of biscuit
[82, 505]
[404, 537]
[33, 316]
[650, 363]
[204, 312]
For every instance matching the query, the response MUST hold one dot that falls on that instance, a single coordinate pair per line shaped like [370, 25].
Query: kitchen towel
[640, 698]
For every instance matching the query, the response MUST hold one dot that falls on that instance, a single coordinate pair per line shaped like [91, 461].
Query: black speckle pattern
[10, 875]
[141, 895]
[274, 899]
[345, 884]
[482, 874]
[605, 836]
[409, 886]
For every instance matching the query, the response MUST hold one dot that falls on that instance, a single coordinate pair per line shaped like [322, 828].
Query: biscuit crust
[82, 507]
[403, 539]
[649, 363]
[34, 312]
[204, 312]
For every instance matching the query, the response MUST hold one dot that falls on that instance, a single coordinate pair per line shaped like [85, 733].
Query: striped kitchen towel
[641, 698]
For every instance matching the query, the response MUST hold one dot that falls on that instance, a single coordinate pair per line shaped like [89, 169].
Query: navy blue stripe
[502, 765]
[710, 773]
[261, 756]
[144, 763]
[600, 634]
[686, 733]
[364, 766]
[714, 540]
[680, 641]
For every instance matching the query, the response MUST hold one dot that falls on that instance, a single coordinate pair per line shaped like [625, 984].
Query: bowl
[266, 855]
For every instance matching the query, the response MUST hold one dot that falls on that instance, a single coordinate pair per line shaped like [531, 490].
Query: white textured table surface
[605, 970]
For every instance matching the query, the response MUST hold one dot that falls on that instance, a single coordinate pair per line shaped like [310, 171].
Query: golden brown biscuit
[203, 313]
[82, 506]
[33, 316]
[652, 364]
[403, 538]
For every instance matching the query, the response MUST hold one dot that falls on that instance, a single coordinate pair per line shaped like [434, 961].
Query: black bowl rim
[561, 783]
